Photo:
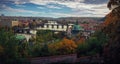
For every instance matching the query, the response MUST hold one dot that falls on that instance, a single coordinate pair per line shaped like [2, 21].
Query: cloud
[50, 7]
[41, 7]
[98, 10]
[53, 7]
[6, 8]
[95, 1]
[18, 2]
[19, 5]
[9, 9]
[78, 7]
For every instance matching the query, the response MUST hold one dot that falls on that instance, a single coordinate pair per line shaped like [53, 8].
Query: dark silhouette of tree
[112, 29]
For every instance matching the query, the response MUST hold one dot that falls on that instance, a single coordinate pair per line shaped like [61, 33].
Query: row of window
[52, 26]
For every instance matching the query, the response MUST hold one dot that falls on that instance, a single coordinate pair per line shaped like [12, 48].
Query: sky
[54, 8]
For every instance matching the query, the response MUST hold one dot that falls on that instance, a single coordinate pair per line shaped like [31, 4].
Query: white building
[53, 25]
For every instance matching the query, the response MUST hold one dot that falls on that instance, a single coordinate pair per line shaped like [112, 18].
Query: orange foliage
[69, 44]
[64, 47]
[82, 40]
[112, 17]
[112, 29]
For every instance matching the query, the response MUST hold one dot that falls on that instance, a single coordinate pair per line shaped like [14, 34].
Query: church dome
[77, 27]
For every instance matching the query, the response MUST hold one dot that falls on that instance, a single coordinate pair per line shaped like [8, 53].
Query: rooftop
[20, 37]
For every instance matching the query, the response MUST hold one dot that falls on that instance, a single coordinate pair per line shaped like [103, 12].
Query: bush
[10, 49]
[93, 45]
[65, 46]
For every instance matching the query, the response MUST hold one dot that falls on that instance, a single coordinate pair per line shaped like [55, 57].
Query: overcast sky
[54, 8]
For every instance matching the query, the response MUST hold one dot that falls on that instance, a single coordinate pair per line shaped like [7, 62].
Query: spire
[77, 22]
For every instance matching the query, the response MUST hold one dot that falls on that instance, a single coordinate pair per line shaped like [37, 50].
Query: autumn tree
[81, 40]
[65, 46]
[112, 29]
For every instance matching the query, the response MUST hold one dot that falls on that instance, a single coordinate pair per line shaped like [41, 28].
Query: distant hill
[80, 19]
[67, 19]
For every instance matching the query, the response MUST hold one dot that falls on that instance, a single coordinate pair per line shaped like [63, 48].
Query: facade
[14, 23]
[53, 25]
[24, 23]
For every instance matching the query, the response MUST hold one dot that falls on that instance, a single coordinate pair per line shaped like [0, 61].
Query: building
[53, 25]
[91, 26]
[24, 23]
[8, 22]
[74, 30]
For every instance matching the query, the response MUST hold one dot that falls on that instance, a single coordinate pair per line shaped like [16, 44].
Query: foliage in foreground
[93, 45]
[62, 47]
[11, 50]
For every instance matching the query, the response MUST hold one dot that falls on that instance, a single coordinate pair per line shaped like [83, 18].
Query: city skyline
[54, 8]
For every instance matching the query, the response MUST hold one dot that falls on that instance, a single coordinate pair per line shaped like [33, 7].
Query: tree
[9, 47]
[82, 40]
[40, 50]
[112, 29]
[1, 50]
[65, 46]
[82, 49]
[44, 36]
[94, 45]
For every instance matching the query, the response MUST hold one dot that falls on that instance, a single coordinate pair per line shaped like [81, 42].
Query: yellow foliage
[64, 47]
[113, 16]
[69, 43]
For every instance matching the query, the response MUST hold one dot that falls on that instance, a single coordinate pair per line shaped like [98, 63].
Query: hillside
[71, 19]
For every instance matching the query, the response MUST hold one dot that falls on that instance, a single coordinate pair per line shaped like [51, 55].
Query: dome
[20, 37]
[77, 27]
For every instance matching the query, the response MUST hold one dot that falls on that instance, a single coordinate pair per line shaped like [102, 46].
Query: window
[62, 26]
[57, 26]
[52, 26]
[47, 26]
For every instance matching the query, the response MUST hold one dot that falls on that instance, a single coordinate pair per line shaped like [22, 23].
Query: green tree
[82, 49]
[93, 45]
[44, 36]
[10, 48]
[40, 50]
